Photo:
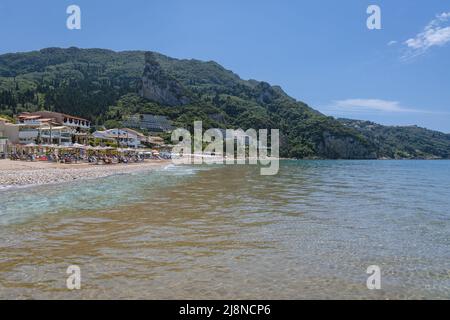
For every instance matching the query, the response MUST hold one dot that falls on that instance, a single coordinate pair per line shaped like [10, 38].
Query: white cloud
[435, 33]
[364, 105]
[443, 15]
[391, 43]
[373, 106]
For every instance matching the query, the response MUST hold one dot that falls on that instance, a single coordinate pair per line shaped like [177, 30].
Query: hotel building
[123, 137]
[149, 122]
[52, 128]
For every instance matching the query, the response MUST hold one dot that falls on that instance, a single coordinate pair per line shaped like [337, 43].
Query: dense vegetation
[399, 142]
[104, 86]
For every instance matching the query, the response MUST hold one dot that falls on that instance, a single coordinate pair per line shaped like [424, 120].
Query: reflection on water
[227, 232]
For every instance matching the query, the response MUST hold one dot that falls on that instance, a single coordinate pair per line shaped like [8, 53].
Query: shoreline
[22, 174]
[15, 174]
[375, 159]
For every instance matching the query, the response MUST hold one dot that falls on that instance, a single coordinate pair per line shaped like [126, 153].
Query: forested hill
[403, 142]
[106, 86]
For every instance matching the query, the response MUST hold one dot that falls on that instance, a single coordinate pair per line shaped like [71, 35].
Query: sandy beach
[21, 173]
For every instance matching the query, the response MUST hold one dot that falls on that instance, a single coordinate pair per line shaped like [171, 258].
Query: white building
[152, 123]
[30, 122]
[125, 138]
[9, 134]
[60, 135]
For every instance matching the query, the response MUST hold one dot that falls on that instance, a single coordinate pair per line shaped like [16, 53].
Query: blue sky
[320, 51]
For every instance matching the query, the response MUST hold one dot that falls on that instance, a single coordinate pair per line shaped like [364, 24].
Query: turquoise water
[19, 204]
[227, 232]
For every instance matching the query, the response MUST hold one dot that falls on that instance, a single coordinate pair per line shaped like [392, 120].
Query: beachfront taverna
[43, 127]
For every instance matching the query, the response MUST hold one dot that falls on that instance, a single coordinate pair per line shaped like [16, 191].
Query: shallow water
[227, 232]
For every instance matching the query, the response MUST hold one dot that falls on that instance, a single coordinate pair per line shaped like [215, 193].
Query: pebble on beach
[48, 175]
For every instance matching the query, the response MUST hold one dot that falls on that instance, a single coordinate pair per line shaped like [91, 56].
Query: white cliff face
[159, 87]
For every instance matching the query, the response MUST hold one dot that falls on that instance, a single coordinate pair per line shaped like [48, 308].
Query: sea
[316, 230]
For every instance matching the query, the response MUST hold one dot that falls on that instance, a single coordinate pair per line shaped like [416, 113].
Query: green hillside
[400, 142]
[103, 85]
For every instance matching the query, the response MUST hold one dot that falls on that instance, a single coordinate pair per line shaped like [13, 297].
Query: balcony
[77, 123]
[31, 122]
[28, 134]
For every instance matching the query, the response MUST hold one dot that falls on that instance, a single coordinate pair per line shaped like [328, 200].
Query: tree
[111, 124]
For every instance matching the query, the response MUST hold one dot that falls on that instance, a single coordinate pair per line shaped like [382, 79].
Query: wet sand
[24, 173]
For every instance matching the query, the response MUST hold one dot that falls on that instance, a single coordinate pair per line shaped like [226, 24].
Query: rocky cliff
[158, 86]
